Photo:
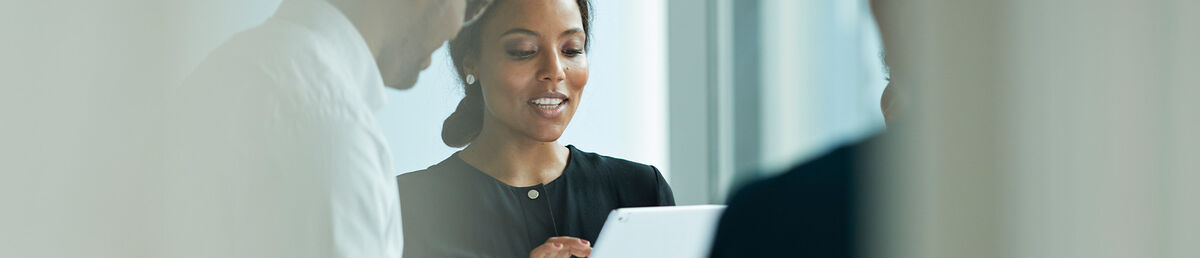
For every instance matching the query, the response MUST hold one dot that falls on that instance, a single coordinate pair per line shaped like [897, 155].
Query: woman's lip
[549, 95]
[549, 113]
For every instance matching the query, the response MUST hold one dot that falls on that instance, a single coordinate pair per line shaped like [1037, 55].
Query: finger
[542, 251]
[562, 239]
[581, 247]
[571, 246]
[550, 249]
[569, 241]
[581, 251]
[560, 251]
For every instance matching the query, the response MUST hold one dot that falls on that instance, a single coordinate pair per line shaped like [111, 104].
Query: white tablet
[673, 231]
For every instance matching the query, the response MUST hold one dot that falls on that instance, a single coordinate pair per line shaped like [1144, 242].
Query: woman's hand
[565, 247]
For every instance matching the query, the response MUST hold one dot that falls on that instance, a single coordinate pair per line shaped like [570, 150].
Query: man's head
[402, 34]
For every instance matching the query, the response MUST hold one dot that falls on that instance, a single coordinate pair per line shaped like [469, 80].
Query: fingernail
[585, 242]
[557, 245]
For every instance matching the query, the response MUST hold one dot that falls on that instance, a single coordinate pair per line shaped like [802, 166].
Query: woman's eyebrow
[534, 33]
[572, 31]
[520, 31]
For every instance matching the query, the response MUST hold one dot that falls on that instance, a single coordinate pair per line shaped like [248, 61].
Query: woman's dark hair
[467, 120]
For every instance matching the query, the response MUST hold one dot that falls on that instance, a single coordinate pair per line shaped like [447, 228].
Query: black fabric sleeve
[665, 196]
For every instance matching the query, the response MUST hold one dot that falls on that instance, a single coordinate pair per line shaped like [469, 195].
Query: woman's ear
[469, 64]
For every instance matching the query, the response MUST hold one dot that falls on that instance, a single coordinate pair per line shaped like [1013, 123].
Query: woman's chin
[546, 134]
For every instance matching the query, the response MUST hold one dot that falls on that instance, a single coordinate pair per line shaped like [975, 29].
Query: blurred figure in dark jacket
[812, 209]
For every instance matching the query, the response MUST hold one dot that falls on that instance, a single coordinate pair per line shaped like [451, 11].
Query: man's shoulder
[832, 173]
[278, 67]
[270, 48]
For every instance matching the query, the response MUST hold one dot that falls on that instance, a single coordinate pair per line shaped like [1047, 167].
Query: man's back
[274, 150]
[811, 210]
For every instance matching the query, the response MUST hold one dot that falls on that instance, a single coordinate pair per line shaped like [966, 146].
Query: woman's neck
[513, 158]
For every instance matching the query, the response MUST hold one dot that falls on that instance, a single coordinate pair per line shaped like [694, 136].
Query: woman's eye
[573, 52]
[521, 53]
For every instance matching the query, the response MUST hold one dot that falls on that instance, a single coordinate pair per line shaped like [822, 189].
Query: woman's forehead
[545, 17]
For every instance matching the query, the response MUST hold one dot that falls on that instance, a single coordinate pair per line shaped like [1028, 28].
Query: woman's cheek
[513, 77]
[579, 74]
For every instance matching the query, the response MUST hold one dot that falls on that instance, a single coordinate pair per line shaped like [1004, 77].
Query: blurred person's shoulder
[827, 172]
[264, 55]
[830, 174]
[307, 51]
[815, 202]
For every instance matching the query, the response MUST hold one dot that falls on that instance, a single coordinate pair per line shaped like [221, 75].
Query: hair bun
[462, 126]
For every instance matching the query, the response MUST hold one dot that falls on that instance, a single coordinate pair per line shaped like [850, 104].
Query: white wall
[822, 78]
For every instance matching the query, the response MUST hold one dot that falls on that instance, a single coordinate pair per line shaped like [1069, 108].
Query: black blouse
[454, 210]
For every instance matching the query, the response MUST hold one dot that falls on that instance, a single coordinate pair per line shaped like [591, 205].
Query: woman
[513, 191]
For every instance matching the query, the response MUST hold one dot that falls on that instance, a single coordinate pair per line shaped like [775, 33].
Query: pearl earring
[470, 79]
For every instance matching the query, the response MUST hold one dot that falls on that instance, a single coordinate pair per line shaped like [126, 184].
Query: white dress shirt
[273, 150]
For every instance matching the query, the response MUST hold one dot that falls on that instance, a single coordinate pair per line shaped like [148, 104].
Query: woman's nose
[552, 69]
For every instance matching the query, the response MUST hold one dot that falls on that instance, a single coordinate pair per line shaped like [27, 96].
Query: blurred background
[1062, 128]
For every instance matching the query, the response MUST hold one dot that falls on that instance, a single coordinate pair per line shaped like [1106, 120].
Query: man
[273, 150]
[815, 208]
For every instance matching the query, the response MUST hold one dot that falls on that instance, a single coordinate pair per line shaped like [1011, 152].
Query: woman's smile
[549, 105]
